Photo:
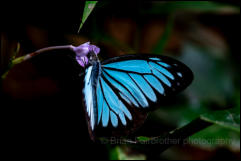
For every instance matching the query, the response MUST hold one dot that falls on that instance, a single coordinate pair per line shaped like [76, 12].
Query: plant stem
[29, 56]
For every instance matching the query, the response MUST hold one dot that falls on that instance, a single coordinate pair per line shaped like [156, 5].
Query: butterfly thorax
[96, 71]
[93, 58]
[96, 68]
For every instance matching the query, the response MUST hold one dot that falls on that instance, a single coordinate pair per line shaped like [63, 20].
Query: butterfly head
[86, 54]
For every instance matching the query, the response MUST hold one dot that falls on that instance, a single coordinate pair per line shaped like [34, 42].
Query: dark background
[40, 99]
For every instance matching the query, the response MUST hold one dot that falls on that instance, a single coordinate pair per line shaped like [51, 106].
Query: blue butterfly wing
[137, 81]
[89, 99]
[111, 108]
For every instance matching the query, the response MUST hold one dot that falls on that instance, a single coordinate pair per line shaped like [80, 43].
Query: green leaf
[226, 118]
[89, 6]
[143, 138]
[114, 154]
[124, 153]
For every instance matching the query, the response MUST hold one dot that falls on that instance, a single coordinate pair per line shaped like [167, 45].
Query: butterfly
[115, 88]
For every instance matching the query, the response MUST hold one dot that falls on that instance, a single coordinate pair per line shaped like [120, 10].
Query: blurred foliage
[226, 118]
[198, 6]
[215, 137]
[124, 153]
[165, 36]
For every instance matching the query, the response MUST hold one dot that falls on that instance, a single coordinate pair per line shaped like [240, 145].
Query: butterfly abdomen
[96, 70]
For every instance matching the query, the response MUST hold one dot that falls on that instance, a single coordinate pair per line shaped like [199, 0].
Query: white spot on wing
[179, 74]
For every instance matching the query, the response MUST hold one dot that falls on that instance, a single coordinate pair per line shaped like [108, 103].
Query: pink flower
[82, 52]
